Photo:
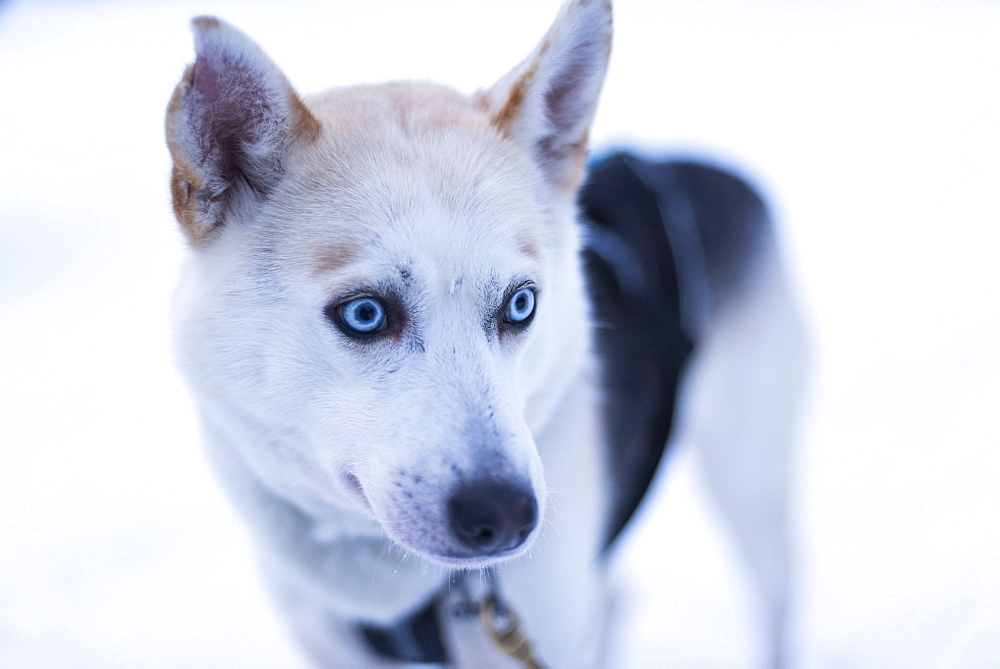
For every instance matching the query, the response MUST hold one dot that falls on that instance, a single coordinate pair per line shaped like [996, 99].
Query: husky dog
[387, 327]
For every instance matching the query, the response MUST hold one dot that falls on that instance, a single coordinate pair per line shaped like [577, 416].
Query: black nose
[491, 516]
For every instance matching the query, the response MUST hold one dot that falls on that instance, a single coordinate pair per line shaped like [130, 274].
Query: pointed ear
[548, 101]
[230, 123]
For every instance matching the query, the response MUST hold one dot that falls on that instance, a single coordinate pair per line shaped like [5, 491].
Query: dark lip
[355, 487]
[456, 557]
[476, 561]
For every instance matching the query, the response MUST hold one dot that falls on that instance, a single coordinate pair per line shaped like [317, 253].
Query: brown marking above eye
[334, 257]
[528, 246]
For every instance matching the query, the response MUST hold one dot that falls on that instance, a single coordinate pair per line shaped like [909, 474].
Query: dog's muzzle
[491, 517]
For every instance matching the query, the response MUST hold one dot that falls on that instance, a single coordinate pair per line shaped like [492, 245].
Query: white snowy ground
[875, 127]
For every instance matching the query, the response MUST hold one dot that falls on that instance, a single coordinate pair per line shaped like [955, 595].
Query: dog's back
[699, 341]
[669, 242]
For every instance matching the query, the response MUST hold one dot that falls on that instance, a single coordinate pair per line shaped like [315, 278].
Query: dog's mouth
[470, 563]
[357, 491]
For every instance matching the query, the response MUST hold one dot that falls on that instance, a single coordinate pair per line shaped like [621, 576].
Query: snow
[872, 125]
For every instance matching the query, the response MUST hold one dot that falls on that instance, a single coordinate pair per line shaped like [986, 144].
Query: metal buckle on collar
[417, 638]
[498, 619]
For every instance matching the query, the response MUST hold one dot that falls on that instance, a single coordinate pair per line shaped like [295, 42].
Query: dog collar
[417, 638]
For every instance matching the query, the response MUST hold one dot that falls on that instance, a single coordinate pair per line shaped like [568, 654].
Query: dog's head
[383, 296]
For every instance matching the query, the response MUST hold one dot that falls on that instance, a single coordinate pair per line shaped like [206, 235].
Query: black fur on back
[668, 245]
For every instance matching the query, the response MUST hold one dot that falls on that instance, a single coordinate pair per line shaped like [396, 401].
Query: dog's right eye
[361, 316]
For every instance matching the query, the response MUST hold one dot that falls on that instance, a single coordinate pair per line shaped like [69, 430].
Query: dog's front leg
[558, 591]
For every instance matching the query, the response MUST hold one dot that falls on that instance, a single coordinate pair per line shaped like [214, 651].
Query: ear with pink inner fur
[547, 102]
[230, 123]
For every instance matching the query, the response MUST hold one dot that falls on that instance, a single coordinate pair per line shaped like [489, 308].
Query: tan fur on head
[230, 122]
[548, 102]
[234, 118]
[183, 177]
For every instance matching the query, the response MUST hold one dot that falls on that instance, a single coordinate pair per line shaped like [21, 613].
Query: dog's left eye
[362, 316]
[520, 307]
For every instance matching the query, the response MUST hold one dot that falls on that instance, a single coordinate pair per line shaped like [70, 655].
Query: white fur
[740, 403]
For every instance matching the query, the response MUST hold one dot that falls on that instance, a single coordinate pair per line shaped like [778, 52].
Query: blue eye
[363, 316]
[521, 307]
